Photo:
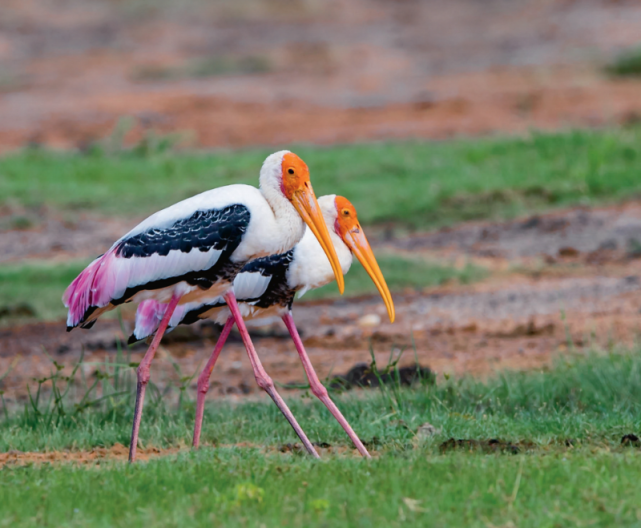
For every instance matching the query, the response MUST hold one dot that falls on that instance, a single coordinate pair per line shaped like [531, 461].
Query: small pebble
[370, 320]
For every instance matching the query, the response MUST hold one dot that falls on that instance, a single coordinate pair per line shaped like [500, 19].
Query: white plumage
[274, 226]
[309, 269]
[193, 250]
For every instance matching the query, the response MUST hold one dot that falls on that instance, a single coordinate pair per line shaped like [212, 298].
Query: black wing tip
[89, 325]
[132, 339]
[70, 328]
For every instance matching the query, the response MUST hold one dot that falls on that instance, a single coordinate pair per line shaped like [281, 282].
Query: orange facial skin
[347, 219]
[295, 174]
[297, 188]
[351, 232]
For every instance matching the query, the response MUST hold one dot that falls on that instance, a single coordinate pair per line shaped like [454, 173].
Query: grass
[415, 184]
[228, 487]
[626, 64]
[34, 289]
[594, 400]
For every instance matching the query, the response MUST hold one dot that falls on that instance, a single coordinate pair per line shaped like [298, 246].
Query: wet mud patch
[630, 440]
[363, 375]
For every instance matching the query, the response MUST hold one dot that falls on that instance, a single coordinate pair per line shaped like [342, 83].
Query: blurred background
[268, 72]
[491, 148]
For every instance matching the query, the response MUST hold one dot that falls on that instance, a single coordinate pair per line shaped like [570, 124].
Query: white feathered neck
[277, 227]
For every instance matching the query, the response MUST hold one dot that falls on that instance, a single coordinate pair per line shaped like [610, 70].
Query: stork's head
[341, 215]
[284, 173]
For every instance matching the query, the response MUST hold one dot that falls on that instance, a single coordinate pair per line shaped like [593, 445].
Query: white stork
[194, 249]
[267, 286]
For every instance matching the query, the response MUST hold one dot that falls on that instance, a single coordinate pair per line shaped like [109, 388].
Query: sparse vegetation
[626, 64]
[35, 289]
[594, 400]
[205, 67]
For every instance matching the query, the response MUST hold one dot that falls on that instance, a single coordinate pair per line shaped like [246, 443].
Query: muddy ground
[559, 283]
[272, 72]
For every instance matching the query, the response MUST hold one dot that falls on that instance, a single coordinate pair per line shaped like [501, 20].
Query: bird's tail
[79, 295]
[92, 292]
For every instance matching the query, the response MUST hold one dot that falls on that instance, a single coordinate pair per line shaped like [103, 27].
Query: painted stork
[194, 249]
[267, 286]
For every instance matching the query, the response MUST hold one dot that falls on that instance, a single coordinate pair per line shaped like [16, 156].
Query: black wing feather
[220, 229]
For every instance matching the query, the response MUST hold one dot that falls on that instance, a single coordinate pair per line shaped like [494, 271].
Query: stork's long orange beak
[304, 200]
[357, 242]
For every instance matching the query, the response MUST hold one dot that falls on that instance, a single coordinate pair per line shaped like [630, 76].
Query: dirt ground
[272, 72]
[119, 453]
[96, 456]
[559, 283]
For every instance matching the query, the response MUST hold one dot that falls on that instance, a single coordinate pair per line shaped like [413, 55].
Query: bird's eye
[346, 212]
[290, 171]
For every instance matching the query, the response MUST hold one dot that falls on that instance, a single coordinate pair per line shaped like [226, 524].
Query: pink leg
[318, 389]
[203, 379]
[143, 375]
[263, 380]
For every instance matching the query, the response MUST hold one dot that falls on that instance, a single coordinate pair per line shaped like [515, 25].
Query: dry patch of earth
[119, 453]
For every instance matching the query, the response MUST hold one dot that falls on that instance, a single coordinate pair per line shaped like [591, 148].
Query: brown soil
[120, 453]
[597, 235]
[56, 235]
[543, 298]
[93, 457]
[326, 73]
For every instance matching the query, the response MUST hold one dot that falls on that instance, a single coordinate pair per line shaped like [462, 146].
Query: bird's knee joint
[143, 375]
[319, 391]
[203, 382]
[265, 382]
